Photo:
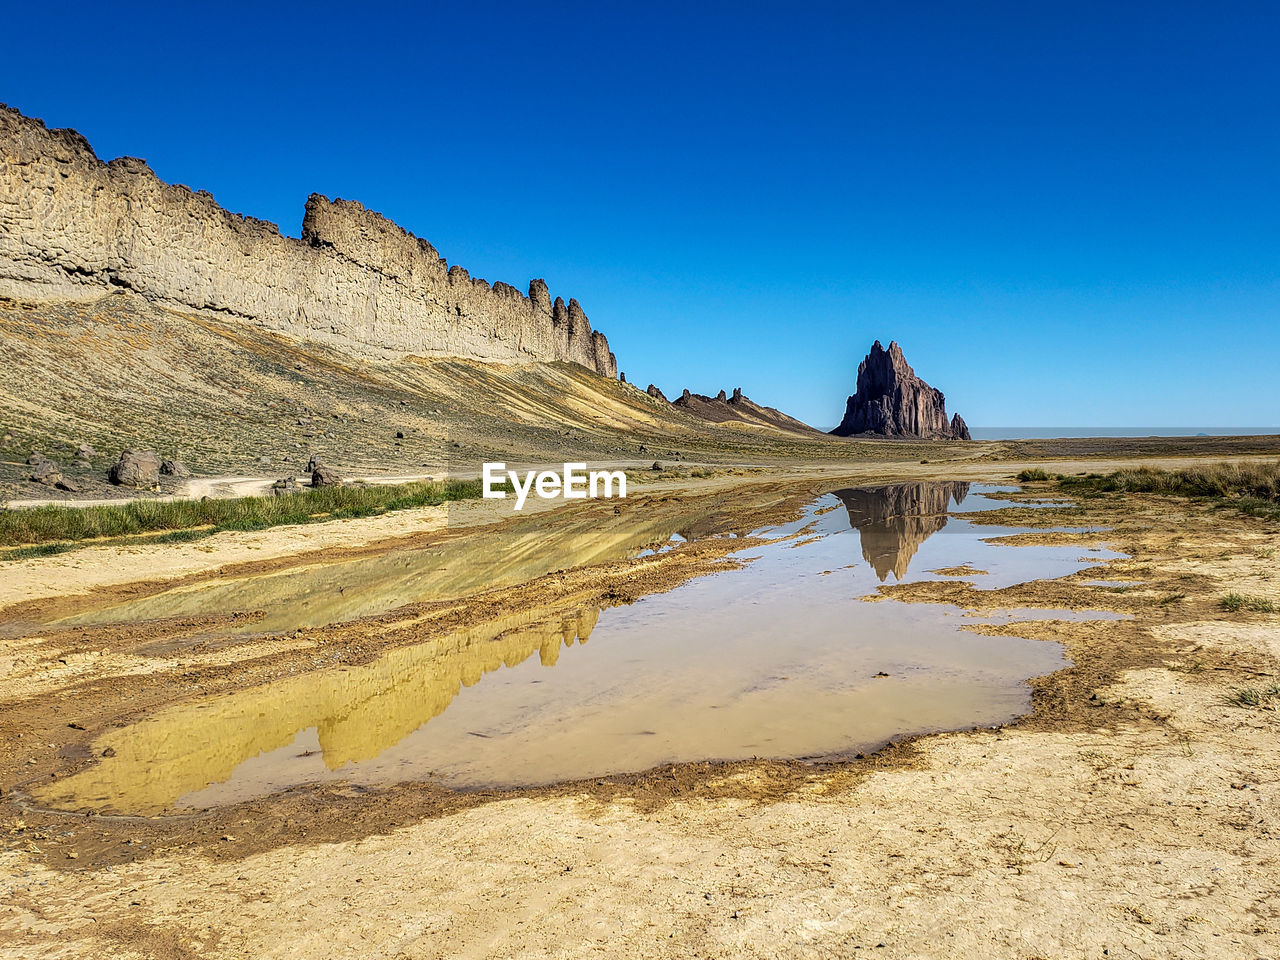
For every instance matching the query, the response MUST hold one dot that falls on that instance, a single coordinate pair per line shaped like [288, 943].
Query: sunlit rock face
[892, 401]
[73, 227]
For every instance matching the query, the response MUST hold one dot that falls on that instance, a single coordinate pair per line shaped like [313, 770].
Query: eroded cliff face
[893, 402]
[72, 227]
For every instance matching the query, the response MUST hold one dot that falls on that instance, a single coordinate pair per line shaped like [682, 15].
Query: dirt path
[1131, 814]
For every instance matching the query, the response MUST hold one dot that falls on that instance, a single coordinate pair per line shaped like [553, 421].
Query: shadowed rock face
[893, 402]
[893, 521]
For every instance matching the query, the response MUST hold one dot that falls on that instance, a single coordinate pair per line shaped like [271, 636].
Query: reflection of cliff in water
[892, 521]
[357, 712]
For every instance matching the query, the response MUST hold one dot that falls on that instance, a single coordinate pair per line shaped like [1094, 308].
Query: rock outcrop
[73, 227]
[738, 408]
[656, 393]
[892, 401]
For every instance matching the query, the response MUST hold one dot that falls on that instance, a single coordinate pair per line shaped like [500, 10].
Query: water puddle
[782, 658]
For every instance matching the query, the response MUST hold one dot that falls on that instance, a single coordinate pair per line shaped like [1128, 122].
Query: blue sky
[1067, 213]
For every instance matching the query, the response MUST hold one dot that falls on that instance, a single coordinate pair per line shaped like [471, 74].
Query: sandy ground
[1131, 814]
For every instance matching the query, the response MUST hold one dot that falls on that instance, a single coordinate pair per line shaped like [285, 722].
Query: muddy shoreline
[75, 683]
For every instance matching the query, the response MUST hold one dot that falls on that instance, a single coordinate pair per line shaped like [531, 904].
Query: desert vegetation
[1253, 488]
[52, 529]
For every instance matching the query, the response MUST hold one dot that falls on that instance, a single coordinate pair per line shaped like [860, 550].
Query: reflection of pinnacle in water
[892, 521]
[357, 712]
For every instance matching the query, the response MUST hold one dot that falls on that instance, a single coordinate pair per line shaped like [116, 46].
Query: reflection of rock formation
[893, 521]
[358, 712]
[346, 590]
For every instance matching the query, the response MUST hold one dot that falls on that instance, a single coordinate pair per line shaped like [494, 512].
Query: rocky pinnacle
[893, 402]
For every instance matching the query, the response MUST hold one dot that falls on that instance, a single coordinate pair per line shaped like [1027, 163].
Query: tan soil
[1129, 814]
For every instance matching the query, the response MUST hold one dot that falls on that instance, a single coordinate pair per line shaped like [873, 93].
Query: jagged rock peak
[657, 394]
[892, 401]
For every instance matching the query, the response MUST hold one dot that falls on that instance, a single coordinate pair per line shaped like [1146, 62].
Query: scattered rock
[35, 458]
[68, 485]
[325, 476]
[893, 402]
[85, 452]
[285, 485]
[312, 462]
[175, 468]
[399, 434]
[656, 465]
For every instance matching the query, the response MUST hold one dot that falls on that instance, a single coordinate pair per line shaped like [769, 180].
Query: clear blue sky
[1067, 213]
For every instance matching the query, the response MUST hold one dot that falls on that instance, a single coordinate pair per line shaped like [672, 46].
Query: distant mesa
[735, 409]
[891, 401]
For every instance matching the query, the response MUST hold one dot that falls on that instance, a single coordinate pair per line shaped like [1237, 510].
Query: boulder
[46, 472]
[312, 462]
[135, 468]
[67, 485]
[175, 468]
[284, 486]
[85, 452]
[892, 401]
[325, 476]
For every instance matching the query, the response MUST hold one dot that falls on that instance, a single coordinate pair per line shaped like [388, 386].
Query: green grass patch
[1237, 602]
[40, 531]
[1034, 473]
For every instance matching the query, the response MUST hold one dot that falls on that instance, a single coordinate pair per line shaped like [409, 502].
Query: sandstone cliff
[893, 402]
[72, 227]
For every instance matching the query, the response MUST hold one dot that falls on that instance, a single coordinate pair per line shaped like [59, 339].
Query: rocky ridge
[737, 408]
[73, 227]
[892, 401]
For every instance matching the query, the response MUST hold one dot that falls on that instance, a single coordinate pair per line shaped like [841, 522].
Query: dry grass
[1252, 488]
[1254, 481]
